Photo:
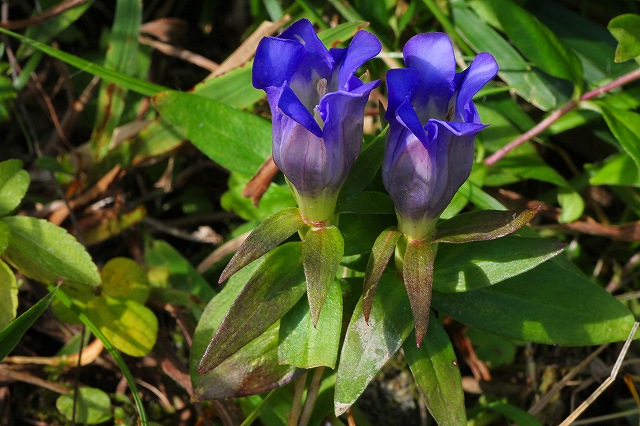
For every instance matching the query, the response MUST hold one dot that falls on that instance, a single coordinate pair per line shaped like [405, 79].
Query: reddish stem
[555, 115]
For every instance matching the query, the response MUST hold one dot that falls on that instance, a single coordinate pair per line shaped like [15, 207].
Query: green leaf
[137, 85]
[365, 168]
[572, 205]
[322, 250]
[366, 202]
[233, 88]
[417, 273]
[276, 198]
[482, 225]
[121, 56]
[382, 250]
[464, 267]
[436, 372]
[4, 237]
[626, 29]
[625, 126]
[494, 350]
[264, 238]
[513, 413]
[273, 289]
[553, 304]
[619, 170]
[514, 70]
[47, 253]
[8, 295]
[130, 326]
[14, 183]
[11, 334]
[308, 345]
[237, 140]
[368, 346]
[251, 370]
[536, 41]
[182, 275]
[361, 230]
[91, 406]
[125, 279]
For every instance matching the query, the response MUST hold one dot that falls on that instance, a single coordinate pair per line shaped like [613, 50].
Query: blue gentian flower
[317, 107]
[433, 124]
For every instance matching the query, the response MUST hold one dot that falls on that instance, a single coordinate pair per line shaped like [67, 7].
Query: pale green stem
[296, 408]
[312, 394]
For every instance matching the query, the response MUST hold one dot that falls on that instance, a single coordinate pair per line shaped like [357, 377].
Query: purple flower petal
[432, 56]
[291, 106]
[363, 47]
[274, 61]
[401, 83]
[483, 68]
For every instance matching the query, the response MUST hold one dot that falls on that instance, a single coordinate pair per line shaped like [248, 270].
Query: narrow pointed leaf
[464, 267]
[274, 230]
[270, 292]
[307, 346]
[11, 335]
[322, 250]
[253, 369]
[482, 225]
[436, 372]
[554, 303]
[367, 347]
[8, 295]
[417, 273]
[381, 252]
[626, 29]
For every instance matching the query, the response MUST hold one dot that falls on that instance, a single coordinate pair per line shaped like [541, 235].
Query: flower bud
[317, 107]
[433, 124]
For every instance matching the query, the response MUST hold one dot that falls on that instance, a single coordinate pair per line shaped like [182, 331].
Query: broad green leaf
[464, 267]
[276, 198]
[273, 289]
[322, 250]
[137, 85]
[625, 126]
[571, 203]
[552, 304]
[14, 183]
[417, 273]
[4, 237]
[365, 167]
[237, 140]
[47, 253]
[8, 295]
[125, 279]
[251, 370]
[366, 202]
[130, 326]
[514, 70]
[482, 225]
[626, 29]
[306, 345]
[494, 350]
[368, 346]
[536, 41]
[264, 238]
[182, 275]
[619, 170]
[331, 37]
[90, 406]
[436, 372]
[11, 334]
[233, 88]
[361, 230]
[381, 252]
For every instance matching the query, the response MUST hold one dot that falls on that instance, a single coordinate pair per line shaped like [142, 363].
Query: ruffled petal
[483, 68]
[401, 83]
[363, 46]
[275, 61]
[432, 56]
[316, 53]
[291, 106]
